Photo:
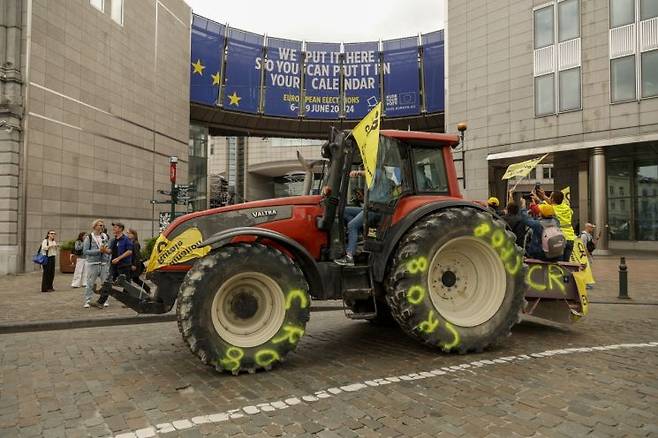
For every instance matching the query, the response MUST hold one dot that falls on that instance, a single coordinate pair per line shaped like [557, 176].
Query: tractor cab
[412, 169]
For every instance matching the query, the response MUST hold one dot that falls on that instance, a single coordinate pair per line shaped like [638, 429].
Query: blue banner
[433, 71]
[206, 60]
[361, 66]
[242, 77]
[401, 83]
[322, 80]
[282, 77]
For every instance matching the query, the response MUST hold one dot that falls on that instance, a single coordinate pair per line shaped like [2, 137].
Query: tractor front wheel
[243, 307]
[457, 280]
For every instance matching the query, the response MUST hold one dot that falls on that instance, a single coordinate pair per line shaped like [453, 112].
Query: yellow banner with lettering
[522, 169]
[180, 249]
[567, 195]
[579, 255]
[366, 134]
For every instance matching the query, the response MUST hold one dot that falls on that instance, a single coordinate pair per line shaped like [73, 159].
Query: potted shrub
[66, 262]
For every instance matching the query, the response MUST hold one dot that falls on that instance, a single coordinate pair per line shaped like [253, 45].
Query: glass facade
[632, 179]
[197, 169]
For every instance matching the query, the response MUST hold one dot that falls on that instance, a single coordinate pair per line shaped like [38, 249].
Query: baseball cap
[119, 224]
[493, 201]
[546, 210]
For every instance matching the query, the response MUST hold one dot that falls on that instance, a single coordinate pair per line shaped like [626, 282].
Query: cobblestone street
[141, 380]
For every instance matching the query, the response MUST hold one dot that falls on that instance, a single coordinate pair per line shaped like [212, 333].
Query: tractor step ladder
[359, 295]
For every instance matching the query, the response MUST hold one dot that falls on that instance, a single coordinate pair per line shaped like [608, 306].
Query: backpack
[77, 252]
[552, 240]
[591, 246]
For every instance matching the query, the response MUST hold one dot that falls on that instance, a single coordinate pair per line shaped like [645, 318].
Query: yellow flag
[567, 195]
[522, 169]
[581, 282]
[579, 255]
[180, 249]
[366, 134]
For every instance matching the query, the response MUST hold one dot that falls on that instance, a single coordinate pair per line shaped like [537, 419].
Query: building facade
[575, 79]
[253, 168]
[94, 99]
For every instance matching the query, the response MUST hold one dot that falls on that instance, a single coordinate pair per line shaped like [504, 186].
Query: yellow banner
[579, 255]
[366, 134]
[522, 169]
[180, 249]
[581, 283]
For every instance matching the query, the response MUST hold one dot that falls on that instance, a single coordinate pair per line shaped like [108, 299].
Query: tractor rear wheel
[243, 307]
[457, 280]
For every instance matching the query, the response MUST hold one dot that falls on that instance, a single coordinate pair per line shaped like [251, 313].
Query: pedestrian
[121, 249]
[49, 247]
[80, 273]
[97, 255]
[587, 236]
[138, 263]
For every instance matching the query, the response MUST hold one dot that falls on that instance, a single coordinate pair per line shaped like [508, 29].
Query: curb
[67, 324]
[628, 302]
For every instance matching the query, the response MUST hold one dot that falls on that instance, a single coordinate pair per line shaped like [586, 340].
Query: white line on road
[220, 417]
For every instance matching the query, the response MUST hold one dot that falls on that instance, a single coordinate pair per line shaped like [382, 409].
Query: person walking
[49, 247]
[121, 249]
[138, 263]
[80, 273]
[97, 254]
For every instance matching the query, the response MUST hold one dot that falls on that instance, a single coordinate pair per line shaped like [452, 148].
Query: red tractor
[242, 277]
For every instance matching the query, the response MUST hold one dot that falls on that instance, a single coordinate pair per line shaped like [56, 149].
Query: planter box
[65, 264]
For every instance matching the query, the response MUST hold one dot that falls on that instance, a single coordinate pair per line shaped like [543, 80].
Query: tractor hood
[248, 214]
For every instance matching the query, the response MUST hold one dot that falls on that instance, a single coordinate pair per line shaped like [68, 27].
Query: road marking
[182, 424]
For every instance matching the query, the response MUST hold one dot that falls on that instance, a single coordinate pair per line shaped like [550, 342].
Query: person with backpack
[79, 275]
[547, 241]
[98, 254]
[563, 214]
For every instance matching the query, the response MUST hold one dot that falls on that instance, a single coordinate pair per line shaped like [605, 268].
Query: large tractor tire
[243, 307]
[457, 280]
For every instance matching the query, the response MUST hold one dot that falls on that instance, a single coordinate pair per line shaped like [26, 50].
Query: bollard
[623, 280]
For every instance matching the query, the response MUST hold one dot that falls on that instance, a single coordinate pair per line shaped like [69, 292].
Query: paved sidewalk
[21, 301]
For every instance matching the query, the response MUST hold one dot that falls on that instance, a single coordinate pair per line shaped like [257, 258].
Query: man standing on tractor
[563, 213]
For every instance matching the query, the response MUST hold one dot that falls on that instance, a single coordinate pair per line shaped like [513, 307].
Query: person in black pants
[138, 263]
[49, 247]
[122, 250]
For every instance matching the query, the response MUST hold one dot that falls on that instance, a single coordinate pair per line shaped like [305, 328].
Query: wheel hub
[467, 281]
[244, 305]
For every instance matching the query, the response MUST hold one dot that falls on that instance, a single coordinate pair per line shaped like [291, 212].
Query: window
[648, 9]
[622, 12]
[612, 190]
[544, 95]
[117, 11]
[533, 174]
[570, 89]
[544, 27]
[557, 58]
[622, 81]
[568, 20]
[650, 73]
[98, 4]
[547, 172]
[429, 171]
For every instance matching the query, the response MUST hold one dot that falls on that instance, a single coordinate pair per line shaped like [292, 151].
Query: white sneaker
[86, 306]
[107, 304]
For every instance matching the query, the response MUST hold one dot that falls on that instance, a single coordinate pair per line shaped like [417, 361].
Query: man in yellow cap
[494, 205]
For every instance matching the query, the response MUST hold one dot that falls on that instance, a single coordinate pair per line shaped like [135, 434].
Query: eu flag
[206, 60]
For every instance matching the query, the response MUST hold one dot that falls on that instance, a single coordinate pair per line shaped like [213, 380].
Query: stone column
[11, 113]
[600, 198]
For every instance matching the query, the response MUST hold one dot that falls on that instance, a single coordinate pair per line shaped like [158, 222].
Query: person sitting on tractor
[494, 205]
[547, 241]
[383, 190]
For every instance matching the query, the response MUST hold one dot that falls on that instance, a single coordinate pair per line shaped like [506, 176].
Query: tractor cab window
[388, 181]
[429, 171]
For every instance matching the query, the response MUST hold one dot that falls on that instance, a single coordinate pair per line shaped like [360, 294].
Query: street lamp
[172, 177]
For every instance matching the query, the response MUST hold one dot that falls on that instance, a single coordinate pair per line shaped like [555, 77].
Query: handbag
[39, 258]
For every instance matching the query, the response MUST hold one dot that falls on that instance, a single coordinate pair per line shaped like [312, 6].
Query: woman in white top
[49, 247]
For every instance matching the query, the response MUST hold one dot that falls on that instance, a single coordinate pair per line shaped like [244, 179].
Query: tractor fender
[306, 262]
[396, 232]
